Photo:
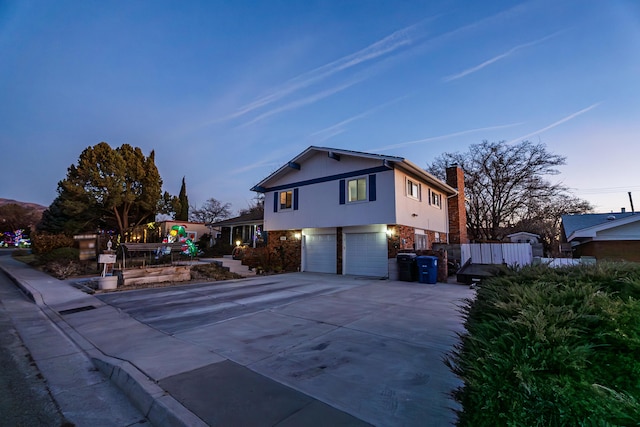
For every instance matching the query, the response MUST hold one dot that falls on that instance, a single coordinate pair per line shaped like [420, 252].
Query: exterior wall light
[238, 242]
[297, 236]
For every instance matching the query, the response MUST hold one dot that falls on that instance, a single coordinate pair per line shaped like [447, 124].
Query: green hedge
[552, 347]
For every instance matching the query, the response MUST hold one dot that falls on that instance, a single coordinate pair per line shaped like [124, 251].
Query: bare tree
[14, 216]
[506, 185]
[543, 217]
[212, 210]
[256, 206]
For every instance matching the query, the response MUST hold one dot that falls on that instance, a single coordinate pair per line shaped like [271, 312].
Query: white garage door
[320, 253]
[366, 254]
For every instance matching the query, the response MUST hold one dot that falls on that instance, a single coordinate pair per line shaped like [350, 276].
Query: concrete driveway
[370, 348]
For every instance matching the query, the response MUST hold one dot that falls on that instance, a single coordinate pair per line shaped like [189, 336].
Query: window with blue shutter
[295, 199]
[276, 200]
[342, 192]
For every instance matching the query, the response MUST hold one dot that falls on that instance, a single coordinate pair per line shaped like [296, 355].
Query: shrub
[42, 243]
[60, 254]
[63, 269]
[262, 260]
[552, 347]
[61, 262]
[212, 271]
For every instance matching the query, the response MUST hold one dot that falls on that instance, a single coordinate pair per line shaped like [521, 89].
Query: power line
[606, 190]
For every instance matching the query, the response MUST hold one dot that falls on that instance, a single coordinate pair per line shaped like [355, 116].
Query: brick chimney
[456, 205]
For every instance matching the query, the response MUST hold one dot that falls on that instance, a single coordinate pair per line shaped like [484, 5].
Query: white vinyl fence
[564, 262]
[497, 253]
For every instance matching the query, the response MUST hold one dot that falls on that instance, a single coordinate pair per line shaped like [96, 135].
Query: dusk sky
[226, 92]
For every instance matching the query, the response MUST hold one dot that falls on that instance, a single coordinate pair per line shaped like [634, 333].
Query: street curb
[25, 288]
[150, 399]
[156, 404]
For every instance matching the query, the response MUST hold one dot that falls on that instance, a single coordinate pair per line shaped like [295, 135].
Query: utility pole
[631, 200]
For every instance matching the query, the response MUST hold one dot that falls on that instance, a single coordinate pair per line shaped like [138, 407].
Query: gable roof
[523, 233]
[390, 161]
[587, 225]
[250, 218]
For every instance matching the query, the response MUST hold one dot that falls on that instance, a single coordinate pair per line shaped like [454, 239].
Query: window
[420, 242]
[286, 198]
[413, 189]
[435, 199]
[357, 189]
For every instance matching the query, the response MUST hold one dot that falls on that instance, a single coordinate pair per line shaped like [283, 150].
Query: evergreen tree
[182, 211]
[118, 188]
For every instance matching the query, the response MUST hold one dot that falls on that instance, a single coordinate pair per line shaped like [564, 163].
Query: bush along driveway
[552, 347]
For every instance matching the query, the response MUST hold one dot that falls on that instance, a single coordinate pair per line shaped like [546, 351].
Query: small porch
[243, 230]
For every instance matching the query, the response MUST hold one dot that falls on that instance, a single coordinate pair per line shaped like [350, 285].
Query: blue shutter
[295, 199]
[275, 201]
[342, 189]
[372, 188]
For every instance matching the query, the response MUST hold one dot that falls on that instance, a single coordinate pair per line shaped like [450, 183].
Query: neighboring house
[524, 237]
[614, 236]
[347, 212]
[537, 249]
[246, 229]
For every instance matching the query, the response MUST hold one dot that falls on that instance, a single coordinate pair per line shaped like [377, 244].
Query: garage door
[366, 254]
[320, 253]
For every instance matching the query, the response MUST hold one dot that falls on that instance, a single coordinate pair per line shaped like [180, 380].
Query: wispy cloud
[383, 47]
[436, 138]
[558, 123]
[396, 45]
[338, 128]
[498, 58]
[304, 101]
[256, 165]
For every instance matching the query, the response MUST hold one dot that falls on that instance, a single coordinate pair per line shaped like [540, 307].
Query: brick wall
[627, 250]
[287, 252]
[279, 254]
[457, 207]
[403, 240]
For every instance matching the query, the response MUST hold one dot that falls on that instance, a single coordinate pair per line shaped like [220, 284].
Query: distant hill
[26, 205]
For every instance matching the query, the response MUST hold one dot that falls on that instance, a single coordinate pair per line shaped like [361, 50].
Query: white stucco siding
[320, 165]
[419, 213]
[319, 202]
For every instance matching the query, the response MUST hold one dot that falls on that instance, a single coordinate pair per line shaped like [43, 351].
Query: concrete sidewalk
[156, 357]
[232, 373]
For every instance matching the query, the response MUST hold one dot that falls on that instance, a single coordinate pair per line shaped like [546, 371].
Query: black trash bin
[427, 269]
[407, 268]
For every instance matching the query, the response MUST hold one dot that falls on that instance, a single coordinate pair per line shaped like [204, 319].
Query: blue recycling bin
[427, 269]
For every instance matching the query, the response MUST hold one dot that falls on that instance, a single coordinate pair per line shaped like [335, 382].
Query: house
[523, 237]
[347, 212]
[245, 229]
[613, 236]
